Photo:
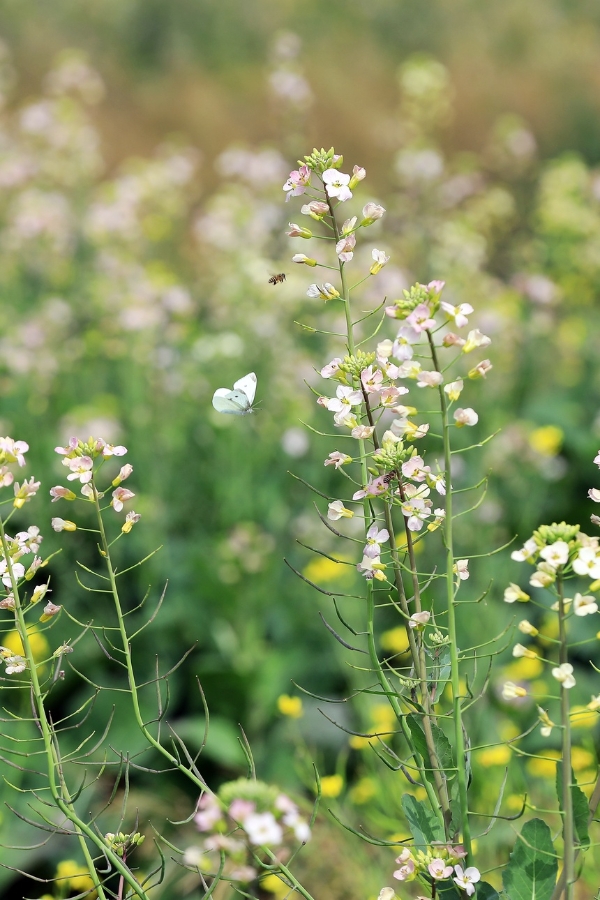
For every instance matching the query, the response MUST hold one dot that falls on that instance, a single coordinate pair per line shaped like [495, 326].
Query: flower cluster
[243, 817]
[437, 864]
[84, 460]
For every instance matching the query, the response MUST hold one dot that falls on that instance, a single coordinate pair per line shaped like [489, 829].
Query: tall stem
[60, 795]
[459, 738]
[127, 653]
[565, 715]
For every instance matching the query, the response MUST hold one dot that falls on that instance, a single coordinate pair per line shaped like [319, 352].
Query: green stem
[62, 800]
[128, 660]
[565, 715]
[459, 738]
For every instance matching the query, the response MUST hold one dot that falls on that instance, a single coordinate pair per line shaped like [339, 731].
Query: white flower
[512, 691]
[587, 562]
[594, 703]
[345, 247]
[337, 459]
[466, 416]
[594, 494]
[564, 674]
[18, 572]
[519, 651]
[457, 313]
[454, 389]
[527, 552]
[556, 554]
[371, 212]
[402, 347]
[380, 259]
[262, 828]
[331, 368]
[438, 868]
[119, 497]
[467, 879]
[544, 576]
[386, 893]
[371, 567]
[476, 339]
[584, 605]
[336, 510]
[462, 569]
[419, 619]
[361, 432]
[343, 402]
[303, 259]
[429, 379]
[513, 592]
[526, 627]
[323, 291]
[375, 538]
[336, 184]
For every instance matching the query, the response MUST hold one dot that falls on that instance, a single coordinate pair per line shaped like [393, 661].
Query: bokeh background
[143, 146]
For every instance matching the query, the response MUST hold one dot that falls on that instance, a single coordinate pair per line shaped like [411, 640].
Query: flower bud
[358, 173]
[63, 525]
[481, 369]
[50, 609]
[371, 212]
[302, 259]
[298, 231]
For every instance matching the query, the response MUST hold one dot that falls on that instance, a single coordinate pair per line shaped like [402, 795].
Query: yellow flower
[358, 742]
[546, 440]
[77, 876]
[494, 756]
[514, 802]
[524, 669]
[363, 791]
[582, 759]
[544, 768]
[582, 717]
[332, 785]
[39, 645]
[509, 730]
[383, 717]
[290, 706]
[274, 885]
[395, 640]
[322, 569]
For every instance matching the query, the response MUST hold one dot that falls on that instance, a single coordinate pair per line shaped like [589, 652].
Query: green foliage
[424, 825]
[532, 868]
[581, 807]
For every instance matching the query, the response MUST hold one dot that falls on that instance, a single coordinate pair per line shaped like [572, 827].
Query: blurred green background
[143, 146]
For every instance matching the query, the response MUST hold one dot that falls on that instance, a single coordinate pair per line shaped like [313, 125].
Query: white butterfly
[237, 402]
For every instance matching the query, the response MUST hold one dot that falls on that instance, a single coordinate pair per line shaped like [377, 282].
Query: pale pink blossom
[457, 313]
[420, 318]
[316, 209]
[81, 468]
[12, 451]
[119, 497]
[466, 416]
[407, 865]
[371, 380]
[348, 226]
[390, 394]
[373, 488]
[337, 459]
[18, 570]
[380, 259]
[209, 812]
[597, 459]
[240, 809]
[362, 432]
[594, 494]
[130, 520]
[453, 340]
[416, 509]
[481, 369]
[345, 248]
[63, 525]
[467, 879]
[358, 173]
[298, 181]
[111, 450]
[371, 567]
[29, 541]
[415, 469]
[6, 476]
[419, 619]
[124, 473]
[454, 389]
[25, 492]
[429, 379]
[461, 568]
[406, 337]
[438, 869]
[337, 184]
[331, 368]
[298, 231]
[371, 211]
[62, 493]
[70, 448]
[92, 493]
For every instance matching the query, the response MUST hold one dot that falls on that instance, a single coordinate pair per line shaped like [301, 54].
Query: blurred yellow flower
[332, 785]
[514, 802]
[358, 742]
[509, 730]
[523, 669]
[383, 717]
[290, 706]
[547, 440]
[77, 875]
[363, 791]
[274, 885]
[395, 640]
[494, 756]
[322, 569]
[39, 645]
[582, 717]
[544, 768]
[582, 759]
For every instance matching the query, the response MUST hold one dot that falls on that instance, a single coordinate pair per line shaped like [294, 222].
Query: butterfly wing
[247, 384]
[233, 403]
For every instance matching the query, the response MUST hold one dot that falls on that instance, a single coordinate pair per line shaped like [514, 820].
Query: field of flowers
[135, 280]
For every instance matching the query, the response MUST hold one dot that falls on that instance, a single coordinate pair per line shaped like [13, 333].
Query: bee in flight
[277, 279]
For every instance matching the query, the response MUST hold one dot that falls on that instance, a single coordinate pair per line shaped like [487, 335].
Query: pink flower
[358, 173]
[453, 340]
[241, 809]
[371, 380]
[119, 497]
[316, 209]
[337, 459]
[298, 181]
[124, 473]
[12, 451]
[438, 869]
[420, 318]
[362, 432]
[25, 492]
[419, 619]
[481, 369]
[407, 866]
[373, 488]
[331, 368]
[336, 184]
[415, 469]
[375, 538]
[110, 450]
[458, 313]
[130, 520]
[390, 394]
[429, 379]
[70, 448]
[345, 248]
[461, 568]
[466, 416]
[380, 259]
[209, 812]
[597, 459]
[81, 468]
[371, 212]
[61, 493]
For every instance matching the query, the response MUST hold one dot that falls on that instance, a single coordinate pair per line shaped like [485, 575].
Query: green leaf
[425, 826]
[441, 743]
[581, 808]
[447, 890]
[440, 670]
[486, 892]
[532, 867]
